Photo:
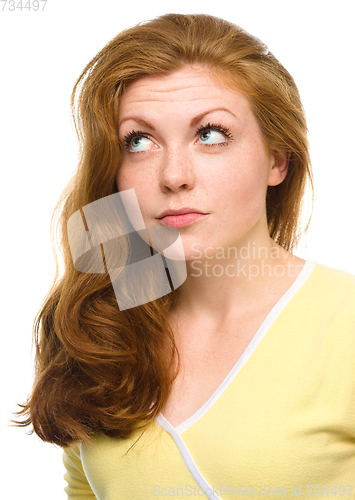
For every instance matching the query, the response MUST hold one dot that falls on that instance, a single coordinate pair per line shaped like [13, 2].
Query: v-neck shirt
[282, 420]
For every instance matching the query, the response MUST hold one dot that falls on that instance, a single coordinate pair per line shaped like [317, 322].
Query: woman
[239, 381]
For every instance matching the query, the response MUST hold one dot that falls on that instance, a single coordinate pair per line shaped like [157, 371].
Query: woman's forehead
[188, 86]
[183, 77]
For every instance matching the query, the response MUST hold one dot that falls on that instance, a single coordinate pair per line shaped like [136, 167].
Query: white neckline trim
[255, 341]
[265, 326]
[187, 457]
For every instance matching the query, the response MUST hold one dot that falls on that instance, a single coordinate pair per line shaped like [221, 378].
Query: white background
[42, 54]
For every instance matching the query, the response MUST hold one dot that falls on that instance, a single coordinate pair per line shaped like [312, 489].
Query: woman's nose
[177, 171]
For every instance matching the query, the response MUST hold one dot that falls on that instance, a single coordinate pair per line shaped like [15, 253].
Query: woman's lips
[181, 220]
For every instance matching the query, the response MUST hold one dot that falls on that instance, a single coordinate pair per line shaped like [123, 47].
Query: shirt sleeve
[78, 487]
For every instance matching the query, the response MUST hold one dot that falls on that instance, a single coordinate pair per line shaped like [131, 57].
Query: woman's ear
[279, 166]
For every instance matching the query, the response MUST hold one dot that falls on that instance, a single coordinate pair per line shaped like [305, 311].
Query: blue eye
[213, 127]
[133, 138]
[138, 139]
[208, 133]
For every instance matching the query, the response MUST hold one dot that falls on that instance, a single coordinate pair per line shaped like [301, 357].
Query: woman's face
[221, 170]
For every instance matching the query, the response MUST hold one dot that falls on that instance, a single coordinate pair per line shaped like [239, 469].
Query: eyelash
[128, 138]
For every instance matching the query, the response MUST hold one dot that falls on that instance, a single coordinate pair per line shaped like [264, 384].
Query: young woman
[240, 380]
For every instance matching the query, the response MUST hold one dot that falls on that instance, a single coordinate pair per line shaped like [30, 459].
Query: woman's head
[237, 60]
[190, 142]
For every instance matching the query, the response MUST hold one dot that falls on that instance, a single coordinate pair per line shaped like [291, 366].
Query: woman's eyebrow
[193, 122]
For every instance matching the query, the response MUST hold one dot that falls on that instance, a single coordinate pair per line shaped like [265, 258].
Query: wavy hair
[100, 369]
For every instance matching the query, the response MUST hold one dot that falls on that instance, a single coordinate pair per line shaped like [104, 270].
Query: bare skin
[221, 305]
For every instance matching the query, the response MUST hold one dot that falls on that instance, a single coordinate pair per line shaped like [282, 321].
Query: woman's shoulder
[337, 278]
[331, 288]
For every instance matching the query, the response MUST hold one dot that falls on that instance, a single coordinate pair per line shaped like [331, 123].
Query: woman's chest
[191, 390]
[204, 367]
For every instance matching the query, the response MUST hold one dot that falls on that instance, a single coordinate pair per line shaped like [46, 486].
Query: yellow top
[282, 423]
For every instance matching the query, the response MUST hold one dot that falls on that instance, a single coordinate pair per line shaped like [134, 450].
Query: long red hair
[99, 369]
